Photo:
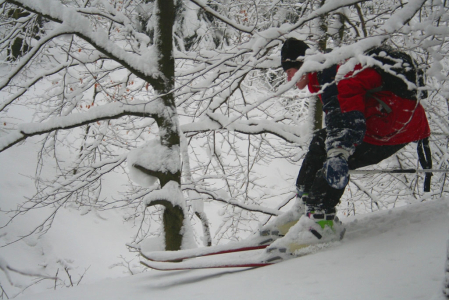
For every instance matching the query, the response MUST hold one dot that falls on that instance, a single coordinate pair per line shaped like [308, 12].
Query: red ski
[254, 243]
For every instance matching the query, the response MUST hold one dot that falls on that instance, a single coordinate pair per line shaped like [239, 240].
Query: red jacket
[406, 123]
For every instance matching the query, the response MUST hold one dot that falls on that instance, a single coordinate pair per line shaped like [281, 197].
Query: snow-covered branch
[223, 18]
[218, 121]
[104, 112]
[73, 22]
[248, 207]
[6, 268]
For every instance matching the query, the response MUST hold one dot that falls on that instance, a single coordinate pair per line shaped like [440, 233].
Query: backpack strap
[425, 159]
[370, 94]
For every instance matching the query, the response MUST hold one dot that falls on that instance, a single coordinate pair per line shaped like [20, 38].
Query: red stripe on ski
[240, 249]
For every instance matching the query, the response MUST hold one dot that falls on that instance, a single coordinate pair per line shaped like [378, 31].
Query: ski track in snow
[394, 254]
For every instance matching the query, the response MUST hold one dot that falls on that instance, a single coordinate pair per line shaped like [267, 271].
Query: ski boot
[315, 227]
[281, 224]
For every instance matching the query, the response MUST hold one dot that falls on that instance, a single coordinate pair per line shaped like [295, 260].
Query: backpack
[401, 64]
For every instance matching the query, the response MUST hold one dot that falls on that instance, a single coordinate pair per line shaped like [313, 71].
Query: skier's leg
[312, 163]
[369, 154]
[320, 223]
[324, 197]
[317, 194]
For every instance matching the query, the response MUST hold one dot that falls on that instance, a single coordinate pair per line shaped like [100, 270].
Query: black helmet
[290, 51]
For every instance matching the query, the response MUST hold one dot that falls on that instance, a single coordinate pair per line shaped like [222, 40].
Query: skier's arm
[345, 127]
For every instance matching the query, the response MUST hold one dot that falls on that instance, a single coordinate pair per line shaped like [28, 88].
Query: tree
[148, 58]
[107, 88]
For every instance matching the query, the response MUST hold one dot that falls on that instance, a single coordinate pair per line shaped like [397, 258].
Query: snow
[154, 157]
[395, 254]
[79, 239]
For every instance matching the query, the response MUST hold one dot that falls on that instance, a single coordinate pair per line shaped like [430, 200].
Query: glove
[335, 168]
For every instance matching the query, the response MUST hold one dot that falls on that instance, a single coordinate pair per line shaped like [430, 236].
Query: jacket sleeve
[345, 128]
[330, 90]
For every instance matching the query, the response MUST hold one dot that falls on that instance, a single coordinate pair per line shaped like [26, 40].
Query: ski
[254, 243]
[188, 265]
[255, 262]
[269, 257]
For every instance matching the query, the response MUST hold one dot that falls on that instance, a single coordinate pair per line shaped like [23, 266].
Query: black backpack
[401, 64]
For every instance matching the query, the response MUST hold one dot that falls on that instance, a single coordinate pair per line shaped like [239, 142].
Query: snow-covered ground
[88, 244]
[395, 254]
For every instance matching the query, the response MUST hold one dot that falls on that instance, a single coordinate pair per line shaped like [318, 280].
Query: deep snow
[395, 254]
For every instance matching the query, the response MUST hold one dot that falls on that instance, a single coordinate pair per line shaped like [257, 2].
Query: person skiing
[361, 130]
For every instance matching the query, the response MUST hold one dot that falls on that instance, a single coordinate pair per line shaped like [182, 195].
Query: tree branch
[248, 207]
[230, 22]
[253, 127]
[73, 22]
[105, 112]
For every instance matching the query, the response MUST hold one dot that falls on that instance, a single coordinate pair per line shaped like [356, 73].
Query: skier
[361, 130]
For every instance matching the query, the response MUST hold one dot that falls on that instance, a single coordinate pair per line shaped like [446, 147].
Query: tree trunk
[322, 45]
[173, 219]
[167, 120]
